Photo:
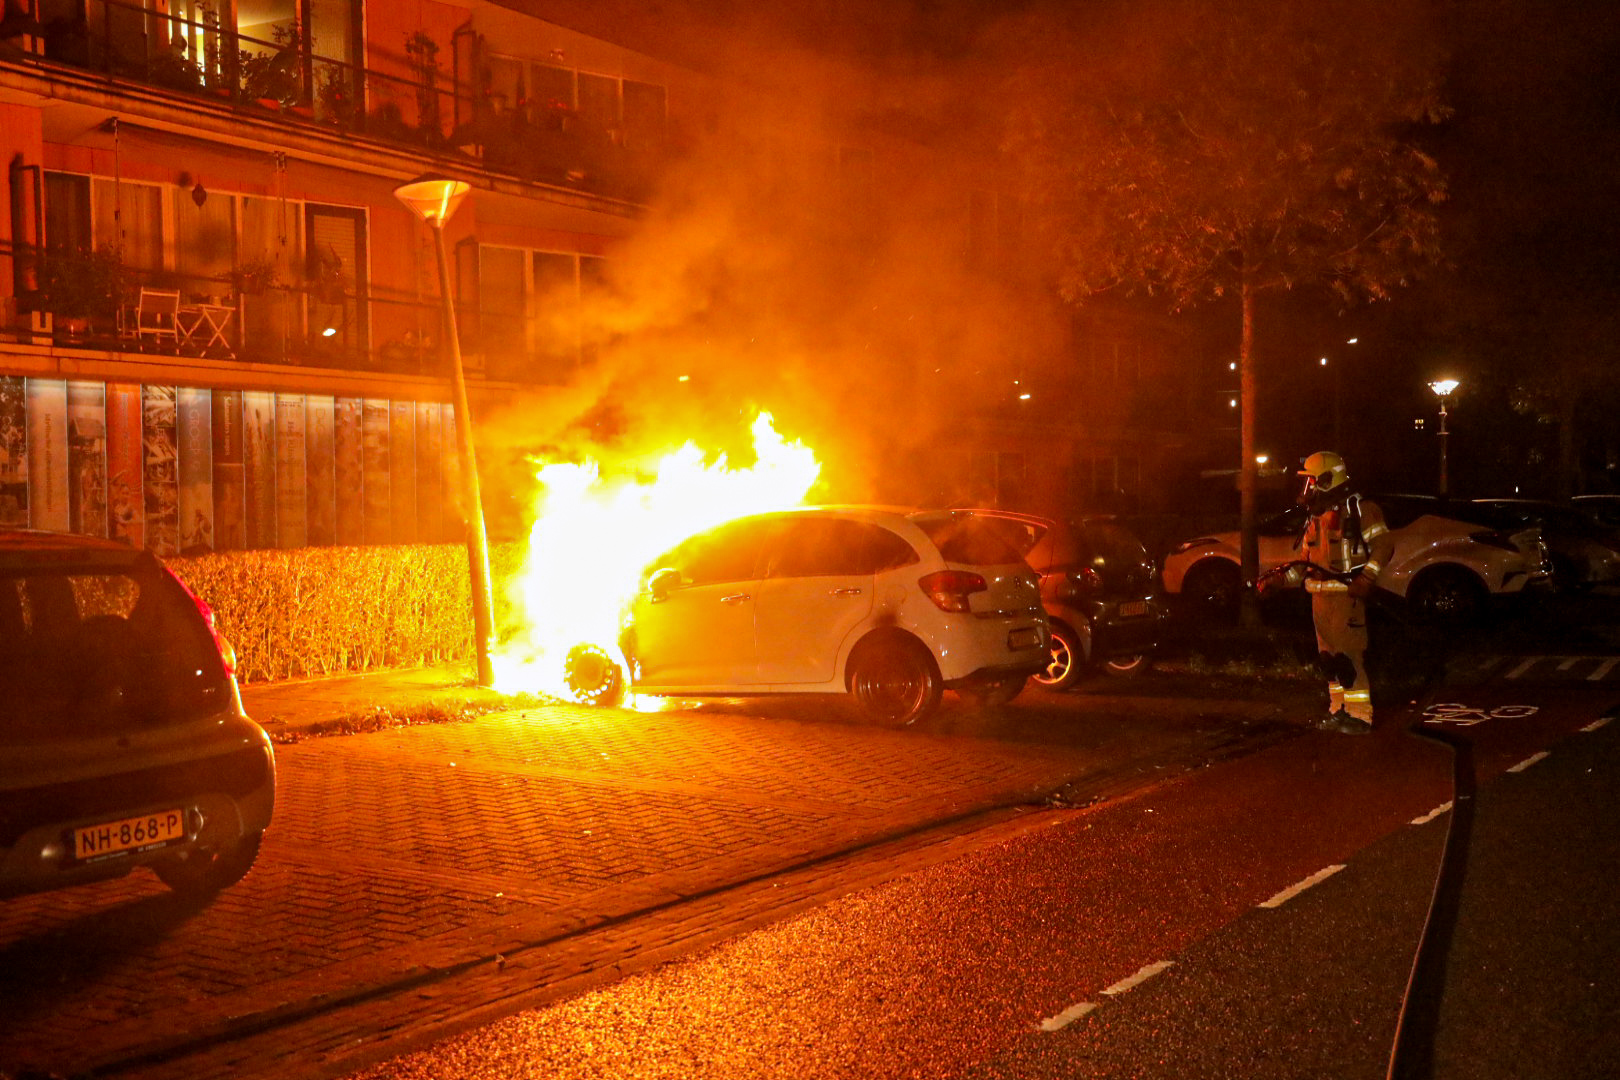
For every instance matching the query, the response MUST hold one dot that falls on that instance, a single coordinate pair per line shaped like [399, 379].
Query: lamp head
[433, 198]
[1443, 386]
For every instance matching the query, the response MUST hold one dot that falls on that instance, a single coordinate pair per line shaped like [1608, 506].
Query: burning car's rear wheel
[894, 680]
[592, 676]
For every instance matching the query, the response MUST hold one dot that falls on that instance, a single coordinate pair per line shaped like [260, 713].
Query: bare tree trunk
[1248, 470]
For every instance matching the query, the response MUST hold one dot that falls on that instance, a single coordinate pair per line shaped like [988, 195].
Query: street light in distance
[434, 199]
[1443, 389]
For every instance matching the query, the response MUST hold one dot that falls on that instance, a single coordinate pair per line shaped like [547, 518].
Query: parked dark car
[1606, 508]
[122, 738]
[1100, 591]
[1584, 551]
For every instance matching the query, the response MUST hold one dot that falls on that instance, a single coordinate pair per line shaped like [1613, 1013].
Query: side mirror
[662, 583]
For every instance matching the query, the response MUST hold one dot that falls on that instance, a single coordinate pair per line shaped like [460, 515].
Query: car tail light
[227, 655]
[1077, 583]
[1495, 539]
[950, 589]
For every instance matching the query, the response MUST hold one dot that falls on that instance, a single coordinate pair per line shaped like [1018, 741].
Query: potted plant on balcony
[255, 276]
[84, 288]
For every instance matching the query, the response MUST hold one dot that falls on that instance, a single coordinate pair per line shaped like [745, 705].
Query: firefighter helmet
[1326, 479]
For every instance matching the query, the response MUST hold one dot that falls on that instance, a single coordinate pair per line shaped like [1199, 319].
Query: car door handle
[852, 591]
[735, 598]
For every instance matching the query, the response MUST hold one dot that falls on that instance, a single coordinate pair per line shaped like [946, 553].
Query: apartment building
[220, 329]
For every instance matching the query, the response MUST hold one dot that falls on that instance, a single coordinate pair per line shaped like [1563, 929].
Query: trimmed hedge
[326, 610]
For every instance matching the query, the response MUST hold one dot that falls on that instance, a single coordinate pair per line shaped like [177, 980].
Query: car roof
[30, 548]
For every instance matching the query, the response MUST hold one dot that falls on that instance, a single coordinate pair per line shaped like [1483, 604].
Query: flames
[593, 536]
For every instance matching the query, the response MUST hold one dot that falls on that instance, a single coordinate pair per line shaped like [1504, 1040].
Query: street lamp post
[434, 199]
[1443, 389]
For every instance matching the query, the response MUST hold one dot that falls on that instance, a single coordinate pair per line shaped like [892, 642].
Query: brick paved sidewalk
[413, 856]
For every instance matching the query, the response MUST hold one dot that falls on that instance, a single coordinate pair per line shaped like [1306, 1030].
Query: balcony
[421, 106]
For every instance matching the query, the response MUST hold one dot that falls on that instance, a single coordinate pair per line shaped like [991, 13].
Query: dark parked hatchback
[1100, 590]
[122, 738]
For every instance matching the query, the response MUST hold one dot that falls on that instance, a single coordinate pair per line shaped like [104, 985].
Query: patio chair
[157, 316]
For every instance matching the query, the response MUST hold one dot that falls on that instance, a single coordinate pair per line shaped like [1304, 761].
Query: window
[646, 111]
[335, 264]
[527, 308]
[732, 552]
[129, 216]
[825, 548]
[67, 213]
[599, 101]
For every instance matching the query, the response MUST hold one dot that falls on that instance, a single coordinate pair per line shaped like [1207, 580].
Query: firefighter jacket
[1348, 537]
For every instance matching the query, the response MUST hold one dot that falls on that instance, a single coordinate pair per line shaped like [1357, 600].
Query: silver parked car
[122, 738]
[1444, 568]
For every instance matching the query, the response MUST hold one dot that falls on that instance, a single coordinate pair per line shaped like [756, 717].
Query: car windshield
[90, 651]
[968, 540]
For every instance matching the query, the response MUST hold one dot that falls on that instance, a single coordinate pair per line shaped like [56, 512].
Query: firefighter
[1344, 534]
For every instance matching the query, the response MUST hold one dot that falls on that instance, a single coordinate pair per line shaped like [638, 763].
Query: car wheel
[592, 676]
[1126, 667]
[1213, 589]
[1067, 663]
[987, 695]
[201, 872]
[895, 681]
[1446, 594]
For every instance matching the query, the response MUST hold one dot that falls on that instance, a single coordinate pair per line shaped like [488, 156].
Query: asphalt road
[1257, 919]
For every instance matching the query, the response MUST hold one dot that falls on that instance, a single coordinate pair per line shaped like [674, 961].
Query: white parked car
[1444, 568]
[892, 606]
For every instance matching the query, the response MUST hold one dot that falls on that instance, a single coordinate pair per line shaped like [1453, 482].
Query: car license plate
[1027, 638]
[95, 842]
[1132, 608]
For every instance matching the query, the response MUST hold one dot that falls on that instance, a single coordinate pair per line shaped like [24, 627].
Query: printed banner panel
[230, 472]
[162, 468]
[321, 505]
[194, 408]
[348, 449]
[402, 470]
[259, 455]
[292, 500]
[13, 452]
[47, 455]
[87, 457]
[429, 473]
[126, 510]
[185, 470]
[376, 471]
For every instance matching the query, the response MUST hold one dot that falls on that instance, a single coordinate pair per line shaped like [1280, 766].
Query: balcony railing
[428, 108]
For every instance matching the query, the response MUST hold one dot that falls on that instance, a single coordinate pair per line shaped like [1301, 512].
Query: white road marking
[1139, 978]
[1524, 667]
[1599, 722]
[1067, 1016]
[1569, 662]
[1432, 814]
[1075, 1012]
[1527, 762]
[1294, 890]
[1603, 669]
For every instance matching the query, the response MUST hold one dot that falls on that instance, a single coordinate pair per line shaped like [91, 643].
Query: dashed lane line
[1527, 762]
[1594, 725]
[1603, 669]
[1075, 1012]
[1294, 890]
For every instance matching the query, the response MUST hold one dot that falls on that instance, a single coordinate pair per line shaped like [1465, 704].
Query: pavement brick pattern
[419, 849]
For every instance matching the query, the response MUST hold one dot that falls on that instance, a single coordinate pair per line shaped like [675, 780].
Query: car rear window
[968, 540]
[90, 651]
[1111, 545]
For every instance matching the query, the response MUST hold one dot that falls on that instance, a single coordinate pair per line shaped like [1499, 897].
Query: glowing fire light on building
[593, 536]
